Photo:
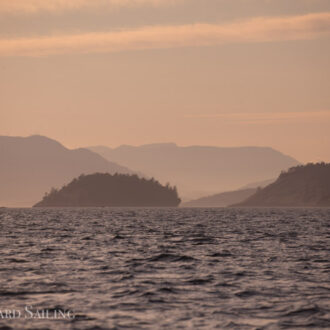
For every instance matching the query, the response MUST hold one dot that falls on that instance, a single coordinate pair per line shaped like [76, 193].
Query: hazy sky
[207, 72]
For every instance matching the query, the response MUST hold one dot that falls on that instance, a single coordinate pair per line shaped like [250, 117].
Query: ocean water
[164, 268]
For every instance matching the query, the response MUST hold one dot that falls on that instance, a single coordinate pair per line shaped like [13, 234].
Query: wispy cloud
[262, 117]
[262, 29]
[33, 6]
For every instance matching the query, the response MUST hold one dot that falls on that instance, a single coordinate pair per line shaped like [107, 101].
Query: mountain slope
[32, 165]
[221, 200]
[307, 185]
[260, 184]
[200, 170]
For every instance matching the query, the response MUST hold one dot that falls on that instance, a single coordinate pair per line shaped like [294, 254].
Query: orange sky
[216, 72]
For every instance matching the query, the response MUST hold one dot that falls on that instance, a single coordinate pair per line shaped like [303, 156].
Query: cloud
[33, 6]
[262, 29]
[262, 118]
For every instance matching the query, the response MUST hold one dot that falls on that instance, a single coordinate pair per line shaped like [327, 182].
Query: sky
[194, 72]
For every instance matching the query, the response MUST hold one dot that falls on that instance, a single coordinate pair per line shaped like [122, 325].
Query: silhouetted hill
[30, 165]
[307, 185]
[198, 171]
[111, 190]
[221, 200]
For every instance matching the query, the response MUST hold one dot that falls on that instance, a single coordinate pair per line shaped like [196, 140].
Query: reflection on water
[166, 268]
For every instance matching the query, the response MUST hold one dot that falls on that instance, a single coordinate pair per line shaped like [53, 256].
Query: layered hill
[199, 171]
[111, 190]
[221, 200]
[29, 166]
[300, 186]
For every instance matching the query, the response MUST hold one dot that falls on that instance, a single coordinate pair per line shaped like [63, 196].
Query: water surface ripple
[167, 268]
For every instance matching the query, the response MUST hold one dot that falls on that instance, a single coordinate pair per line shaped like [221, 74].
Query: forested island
[103, 189]
[304, 185]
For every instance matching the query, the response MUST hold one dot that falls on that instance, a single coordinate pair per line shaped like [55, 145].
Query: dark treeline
[103, 189]
[303, 185]
[316, 170]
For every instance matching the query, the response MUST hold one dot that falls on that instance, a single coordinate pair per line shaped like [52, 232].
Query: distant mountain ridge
[31, 165]
[228, 198]
[300, 186]
[104, 189]
[257, 184]
[198, 171]
[221, 200]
